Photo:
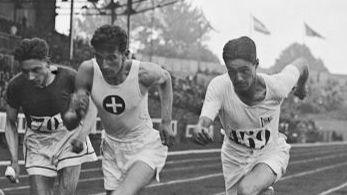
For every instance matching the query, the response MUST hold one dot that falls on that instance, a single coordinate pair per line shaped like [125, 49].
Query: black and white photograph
[173, 97]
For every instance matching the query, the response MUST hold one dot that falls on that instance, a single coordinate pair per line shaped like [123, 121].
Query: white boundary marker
[333, 189]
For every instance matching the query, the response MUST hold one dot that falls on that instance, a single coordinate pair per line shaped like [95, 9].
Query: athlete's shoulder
[87, 64]
[274, 86]
[219, 85]
[86, 67]
[17, 81]
[147, 66]
[220, 80]
[65, 70]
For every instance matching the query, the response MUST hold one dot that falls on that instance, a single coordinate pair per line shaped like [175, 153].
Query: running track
[313, 169]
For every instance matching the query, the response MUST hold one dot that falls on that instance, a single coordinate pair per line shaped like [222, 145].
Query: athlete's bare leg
[41, 185]
[68, 180]
[256, 181]
[138, 176]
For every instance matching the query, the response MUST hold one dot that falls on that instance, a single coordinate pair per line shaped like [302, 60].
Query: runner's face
[242, 73]
[110, 61]
[36, 71]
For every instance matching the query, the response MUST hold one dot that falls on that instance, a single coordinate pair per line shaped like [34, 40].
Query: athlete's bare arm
[151, 74]
[300, 89]
[12, 138]
[80, 98]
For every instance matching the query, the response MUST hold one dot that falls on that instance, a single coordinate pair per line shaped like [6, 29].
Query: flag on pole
[259, 26]
[311, 33]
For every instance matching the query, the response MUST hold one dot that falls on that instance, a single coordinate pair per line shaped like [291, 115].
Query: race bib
[46, 123]
[255, 138]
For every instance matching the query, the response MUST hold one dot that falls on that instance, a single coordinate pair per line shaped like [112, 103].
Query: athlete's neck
[120, 76]
[50, 77]
[255, 94]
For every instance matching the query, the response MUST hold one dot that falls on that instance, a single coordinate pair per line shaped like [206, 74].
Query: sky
[285, 21]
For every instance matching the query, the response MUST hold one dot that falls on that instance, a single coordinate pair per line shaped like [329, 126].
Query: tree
[176, 31]
[295, 51]
[85, 25]
[323, 96]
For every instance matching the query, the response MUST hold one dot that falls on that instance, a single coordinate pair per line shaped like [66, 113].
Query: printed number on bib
[46, 123]
[255, 139]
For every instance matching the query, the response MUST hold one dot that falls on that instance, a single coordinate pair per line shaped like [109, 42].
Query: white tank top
[122, 108]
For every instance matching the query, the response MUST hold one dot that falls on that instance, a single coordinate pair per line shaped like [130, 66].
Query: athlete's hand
[77, 146]
[201, 136]
[78, 108]
[12, 172]
[80, 102]
[166, 134]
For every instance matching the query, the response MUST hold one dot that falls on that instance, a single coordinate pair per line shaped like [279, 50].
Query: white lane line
[216, 150]
[192, 160]
[185, 180]
[220, 174]
[317, 159]
[199, 151]
[204, 177]
[167, 163]
[307, 173]
[316, 153]
[21, 162]
[304, 145]
[306, 152]
[313, 171]
[193, 167]
[192, 179]
[210, 159]
[333, 189]
[174, 153]
[198, 160]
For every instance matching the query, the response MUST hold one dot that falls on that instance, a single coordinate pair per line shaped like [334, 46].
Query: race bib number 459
[255, 138]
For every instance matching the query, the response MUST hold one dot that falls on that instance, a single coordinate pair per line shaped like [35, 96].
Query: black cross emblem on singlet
[114, 104]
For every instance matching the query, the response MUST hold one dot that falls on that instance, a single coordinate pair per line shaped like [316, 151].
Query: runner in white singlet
[254, 154]
[133, 152]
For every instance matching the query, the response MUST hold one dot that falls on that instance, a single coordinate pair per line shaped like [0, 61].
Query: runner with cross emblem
[133, 151]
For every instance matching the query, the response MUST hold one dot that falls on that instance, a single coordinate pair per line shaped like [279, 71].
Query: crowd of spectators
[8, 26]
[7, 71]
[187, 94]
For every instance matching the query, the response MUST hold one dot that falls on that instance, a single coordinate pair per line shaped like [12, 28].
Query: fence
[96, 130]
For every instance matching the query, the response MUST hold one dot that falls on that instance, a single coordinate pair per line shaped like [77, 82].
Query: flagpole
[250, 25]
[303, 34]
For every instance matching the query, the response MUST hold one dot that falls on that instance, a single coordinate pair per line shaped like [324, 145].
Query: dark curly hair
[110, 36]
[34, 48]
[243, 48]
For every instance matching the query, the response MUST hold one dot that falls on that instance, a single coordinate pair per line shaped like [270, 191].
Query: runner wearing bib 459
[254, 154]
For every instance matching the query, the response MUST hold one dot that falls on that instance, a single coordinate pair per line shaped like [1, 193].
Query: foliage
[175, 31]
[295, 51]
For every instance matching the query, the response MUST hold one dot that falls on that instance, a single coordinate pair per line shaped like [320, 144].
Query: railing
[96, 130]
[8, 41]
